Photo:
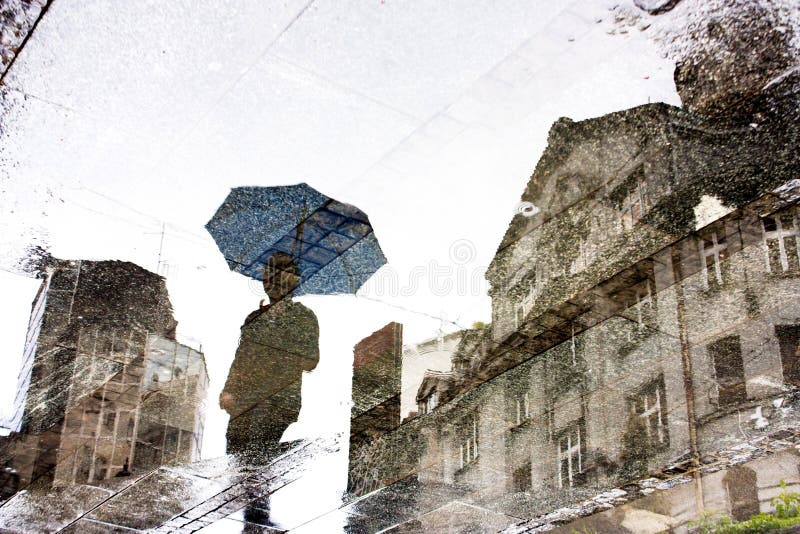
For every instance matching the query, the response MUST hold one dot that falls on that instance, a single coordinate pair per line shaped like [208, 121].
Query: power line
[139, 212]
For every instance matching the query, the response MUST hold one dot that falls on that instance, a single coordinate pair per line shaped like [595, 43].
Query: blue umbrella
[332, 243]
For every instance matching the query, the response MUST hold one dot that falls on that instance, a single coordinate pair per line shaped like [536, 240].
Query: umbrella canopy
[332, 243]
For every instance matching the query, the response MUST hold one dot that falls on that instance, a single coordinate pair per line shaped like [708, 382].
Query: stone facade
[645, 315]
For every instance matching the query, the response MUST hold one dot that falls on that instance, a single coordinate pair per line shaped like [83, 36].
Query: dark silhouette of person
[278, 342]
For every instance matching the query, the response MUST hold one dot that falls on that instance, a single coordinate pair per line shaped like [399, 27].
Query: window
[519, 315]
[641, 310]
[522, 479]
[713, 249]
[565, 366]
[100, 468]
[643, 305]
[789, 342]
[530, 296]
[89, 422]
[726, 355]
[525, 304]
[646, 432]
[171, 438]
[585, 257]
[468, 441]
[429, 403]
[83, 464]
[571, 454]
[650, 407]
[780, 243]
[741, 484]
[634, 204]
[147, 456]
[111, 418]
[523, 408]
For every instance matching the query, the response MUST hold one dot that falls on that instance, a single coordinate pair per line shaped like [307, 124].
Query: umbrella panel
[326, 235]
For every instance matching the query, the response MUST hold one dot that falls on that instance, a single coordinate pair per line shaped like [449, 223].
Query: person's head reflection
[281, 276]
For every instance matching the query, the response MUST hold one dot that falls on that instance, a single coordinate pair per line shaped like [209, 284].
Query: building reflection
[105, 389]
[644, 317]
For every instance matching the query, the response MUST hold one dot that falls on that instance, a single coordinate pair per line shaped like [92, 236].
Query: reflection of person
[278, 342]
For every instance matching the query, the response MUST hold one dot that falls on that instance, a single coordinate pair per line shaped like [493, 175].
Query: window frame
[525, 304]
[719, 251]
[731, 390]
[522, 408]
[780, 235]
[658, 389]
[635, 195]
[468, 441]
[522, 478]
[574, 478]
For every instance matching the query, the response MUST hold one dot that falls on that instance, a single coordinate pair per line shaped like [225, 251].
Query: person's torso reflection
[278, 342]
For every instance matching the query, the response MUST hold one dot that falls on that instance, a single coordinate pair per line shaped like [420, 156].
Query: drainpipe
[688, 385]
